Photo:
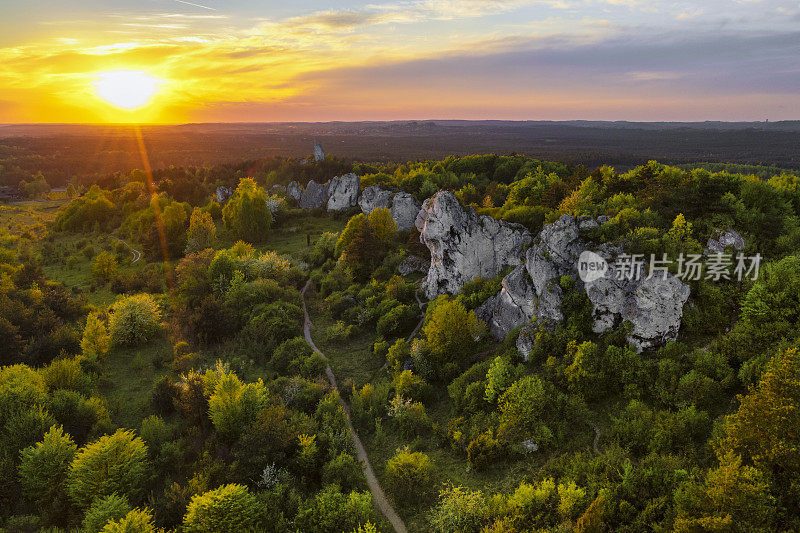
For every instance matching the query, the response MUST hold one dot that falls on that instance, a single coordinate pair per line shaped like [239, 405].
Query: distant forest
[64, 153]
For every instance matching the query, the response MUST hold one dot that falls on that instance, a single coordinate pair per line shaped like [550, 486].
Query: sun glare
[127, 89]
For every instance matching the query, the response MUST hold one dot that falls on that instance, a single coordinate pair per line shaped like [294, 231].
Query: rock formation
[404, 210]
[315, 195]
[294, 191]
[464, 245]
[343, 192]
[413, 263]
[374, 197]
[722, 239]
[653, 306]
[223, 194]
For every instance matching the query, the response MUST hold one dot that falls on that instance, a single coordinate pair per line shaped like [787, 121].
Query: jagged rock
[404, 210]
[224, 194]
[722, 239]
[413, 263]
[279, 189]
[602, 219]
[374, 197]
[343, 192]
[529, 445]
[319, 153]
[587, 222]
[315, 195]
[653, 306]
[294, 191]
[464, 245]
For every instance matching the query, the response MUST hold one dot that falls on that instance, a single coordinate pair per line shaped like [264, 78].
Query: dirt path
[136, 253]
[377, 492]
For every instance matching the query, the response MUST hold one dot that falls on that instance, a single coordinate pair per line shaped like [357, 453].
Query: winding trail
[136, 253]
[375, 488]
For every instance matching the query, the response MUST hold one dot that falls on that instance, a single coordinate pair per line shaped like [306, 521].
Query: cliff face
[464, 245]
[654, 306]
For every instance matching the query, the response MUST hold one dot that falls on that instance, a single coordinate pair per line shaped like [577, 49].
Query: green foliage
[409, 476]
[202, 231]
[134, 320]
[104, 267]
[332, 510]
[247, 215]
[96, 340]
[136, 521]
[450, 331]
[112, 464]
[233, 405]
[230, 508]
[104, 510]
[43, 469]
[459, 509]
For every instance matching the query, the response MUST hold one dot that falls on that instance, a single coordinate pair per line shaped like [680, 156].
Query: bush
[138, 520]
[339, 331]
[409, 417]
[484, 450]
[104, 267]
[398, 321]
[344, 470]
[134, 320]
[246, 215]
[409, 476]
[409, 385]
[103, 511]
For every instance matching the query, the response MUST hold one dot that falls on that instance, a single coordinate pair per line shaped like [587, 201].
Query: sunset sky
[303, 60]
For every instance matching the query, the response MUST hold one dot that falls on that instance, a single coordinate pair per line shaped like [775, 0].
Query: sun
[127, 89]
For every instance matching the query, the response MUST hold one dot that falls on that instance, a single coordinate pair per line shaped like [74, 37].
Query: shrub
[484, 450]
[96, 340]
[138, 520]
[409, 385]
[134, 320]
[247, 215]
[339, 331]
[409, 476]
[344, 470]
[397, 321]
[409, 417]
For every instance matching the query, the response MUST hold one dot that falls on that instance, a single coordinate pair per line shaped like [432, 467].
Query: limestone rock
[411, 264]
[653, 306]
[294, 191]
[374, 197]
[464, 245]
[224, 194]
[722, 239]
[404, 210]
[315, 195]
[343, 192]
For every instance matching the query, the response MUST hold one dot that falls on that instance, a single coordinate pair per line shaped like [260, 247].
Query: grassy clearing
[127, 377]
[29, 218]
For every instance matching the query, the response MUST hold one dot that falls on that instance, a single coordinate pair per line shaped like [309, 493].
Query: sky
[307, 60]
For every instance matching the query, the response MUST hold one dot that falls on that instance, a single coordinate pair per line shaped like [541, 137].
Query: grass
[127, 377]
[29, 218]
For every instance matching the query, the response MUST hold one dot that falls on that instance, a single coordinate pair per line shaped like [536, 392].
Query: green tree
[43, 470]
[234, 405]
[104, 266]
[522, 410]
[331, 510]
[134, 320]
[450, 331]
[499, 377]
[104, 510]
[96, 341]
[202, 231]
[112, 464]
[459, 509]
[136, 521]
[230, 508]
[349, 233]
[246, 215]
[383, 225]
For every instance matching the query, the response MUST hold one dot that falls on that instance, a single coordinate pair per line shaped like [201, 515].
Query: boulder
[413, 263]
[278, 189]
[294, 191]
[464, 245]
[343, 192]
[223, 194]
[404, 210]
[374, 197]
[722, 239]
[315, 195]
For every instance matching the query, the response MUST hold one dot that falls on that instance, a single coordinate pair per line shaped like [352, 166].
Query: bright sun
[127, 89]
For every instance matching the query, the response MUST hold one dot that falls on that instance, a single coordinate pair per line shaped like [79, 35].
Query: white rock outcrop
[654, 306]
[315, 195]
[464, 245]
[373, 197]
[294, 191]
[722, 239]
[404, 210]
[343, 192]
[413, 263]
